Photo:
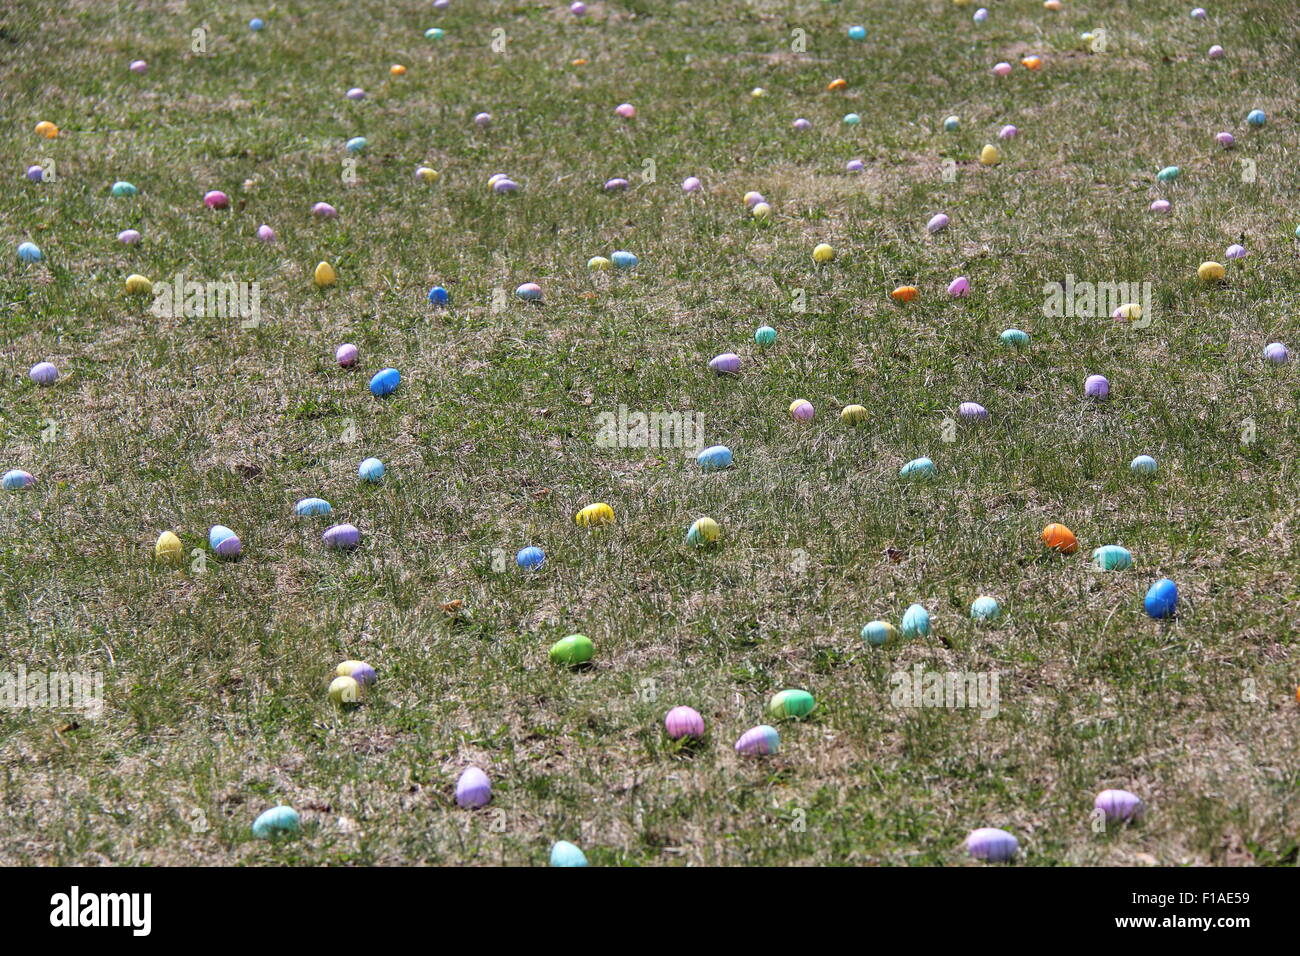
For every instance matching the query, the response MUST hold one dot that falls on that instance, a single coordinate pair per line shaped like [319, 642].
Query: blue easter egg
[439, 296]
[857, 33]
[385, 382]
[16, 480]
[952, 124]
[123, 189]
[311, 506]
[1256, 118]
[879, 633]
[916, 621]
[256, 24]
[765, 335]
[29, 252]
[529, 558]
[1143, 465]
[1014, 338]
[985, 609]
[624, 260]
[372, 469]
[565, 853]
[1162, 599]
[275, 822]
[356, 144]
[917, 468]
[714, 458]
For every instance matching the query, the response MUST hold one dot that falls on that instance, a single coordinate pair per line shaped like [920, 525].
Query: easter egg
[47, 129]
[852, 119]
[625, 110]
[36, 174]
[138, 66]
[853, 415]
[324, 276]
[1256, 118]
[714, 458]
[397, 69]
[385, 382]
[1277, 353]
[1198, 13]
[1168, 174]
[346, 354]
[565, 853]
[703, 532]
[917, 468]
[616, 184]
[168, 549]
[761, 211]
[1096, 386]
[323, 210]
[991, 845]
[1057, 537]
[959, 287]
[985, 609]
[1235, 251]
[752, 199]
[426, 174]
[1119, 806]
[1111, 557]
[345, 690]
[571, 651]
[1160, 206]
[276, 822]
[529, 292]
[1143, 465]
[990, 155]
[916, 622]
[624, 260]
[1162, 599]
[342, 537]
[123, 189]
[980, 15]
[1032, 62]
[904, 293]
[1014, 338]
[855, 166]
[794, 704]
[728, 363]
[359, 671]
[577, 8]
[16, 480]
[473, 789]
[1215, 52]
[857, 33]
[823, 253]
[684, 722]
[43, 373]
[308, 507]
[224, 542]
[371, 470]
[434, 33]
[879, 633]
[1002, 69]
[29, 252]
[1128, 312]
[138, 285]
[952, 124]
[482, 120]
[356, 144]
[256, 24]
[265, 233]
[599, 264]
[1211, 271]
[1226, 140]
[764, 335]
[691, 184]
[438, 296]
[972, 412]
[216, 199]
[1008, 132]
[356, 93]
[530, 558]
[937, 223]
[128, 237]
[505, 185]
[759, 741]
[801, 411]
[595, 515]
[801, 125]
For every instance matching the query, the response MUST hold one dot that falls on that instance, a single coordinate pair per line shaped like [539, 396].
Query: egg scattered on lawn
[16, 480]
[801, 411]
[324, 275]
[972, 412]
[346, 355]
[530, 558]
[916, 622]
[342, 537]
[937, 223]
[266, 234]
[1277, 353]
[1119, 806]
[311, 507]
[764, 335]
[683, 722]
[917, 468]
[128, 237]
[123, 189]
[959, 287]
[29, 252]
[1096, 387]
[703, 532]
[385, 382]
[1111, 557]
[625, 111]
[529, 292]
[1256, 118]
[879, 633]
[1143, 465]
[138, 285]
[714, 458]
[728, 363]
[564, 853]
[595, 515]
[43, 373]
[224, 542]
[853, 415]
[985, 609]
[345, 690]
[991, 845]
[1015, 338]
[823, 253]
[473, 789]
[371, 470]
[791, 704]
[1211, 271]
[572, 651]
[1161, 599]
[990, 155]
[1057, 537]
[277, 821]
[759, 741]
[168, 549]
[359, 671]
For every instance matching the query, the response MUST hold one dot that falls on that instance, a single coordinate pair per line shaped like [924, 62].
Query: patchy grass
[214, 679]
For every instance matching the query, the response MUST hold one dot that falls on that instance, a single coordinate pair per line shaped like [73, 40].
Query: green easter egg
[573, 650]
[791, 703]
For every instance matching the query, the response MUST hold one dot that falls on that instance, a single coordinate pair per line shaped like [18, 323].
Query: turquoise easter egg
[1168, 174]
[765, 335]
[564, 853]
[124, 189]
[985, 609]
[1112, 557]
[1014, 338]
[276, 822]
[917, 468]
[879, 633]
[311, 506]
[29, 252]
[916, 622]
[624, 260]
[791, 703]
[372, 469]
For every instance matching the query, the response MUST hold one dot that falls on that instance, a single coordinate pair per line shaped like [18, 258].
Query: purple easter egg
[342, 537]
[728, 363]
[128, 237]
[346, 354]
[1225, 139]
[802, 411]
[473, 789]
[959, 287]
[1215, 52]
[1096, 386]
[684, 722]
[1160, 205]
[752, 199]
[529, 292]
[483, 120]
[615, 184]
[265, 233]
[1119, 806]
[36, 174]
[578, 8]
[138, 66]
[855, 165]
[801, 124]
[505, 185]
[973, 412]
[691, 184]
[1276, 352]
[216, 199]
[224, 542]
[991, 845]
[43, 373]
[1235, 251]
[937, 223]
[356, 93]
[760, 740]
[323, 210]
[1008, 132]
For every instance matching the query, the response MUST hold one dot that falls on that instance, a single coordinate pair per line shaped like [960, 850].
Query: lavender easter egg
[1160, 206]
[1008, 132]
[991, 845]
[684, 722]
[617, 184]
[691, 184]
[323, 210]
[714, 458]
[385, 382]
[356, 93]
[128, 237]
[505, 185]
[937, 223]
[728, 363]
[224, 542]
[473, 789]
[43, 373]
[1235, 251]
[972, 412]
[1119, 806]
[138, 66]
[342, 537]
[801, 410]
[1225, 139]
[359, 671]
[265, 233]
[761, 741]
[346, 355]
[36, 174]
[1277, 353]
[801, 125]
[1096, 386]
[855, 166]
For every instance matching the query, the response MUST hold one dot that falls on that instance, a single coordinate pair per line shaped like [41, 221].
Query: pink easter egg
[1225, 139]
[959, 287]
[216, 199]
[1002, 69]
[1008, 132]
[323, 210]
[139, 66]
[691, 185]
[346, 354]
[1160, 205]
[626, 110]
[128, 237]
[684, 722]
[265, 233]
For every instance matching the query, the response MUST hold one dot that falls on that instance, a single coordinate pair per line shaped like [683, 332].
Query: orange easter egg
[904, 293]
[397, 69]
[1057, 537]
[47, 129]
[1032, 63]
[837, 84]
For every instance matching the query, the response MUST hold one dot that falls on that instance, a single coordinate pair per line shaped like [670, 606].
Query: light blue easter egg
[917, 468]
[1143, 465]
[224, 542]
[879, 633]
[356, 144]
[852, 119]
[952, 124]
[124, 189]
[624, 260]
[1111, 557]
[311, 506]
[565, 853]
[276, 822]
[385, 382]
[765, 335]
[372, 469]
[29, 252]
[1014, 338]
[1256, 118]
[16, 480]
[530, 558]
[434, 33]
[857, 33]
[714, 458]
[1168, 174]
[255, 24]
[1162, 599]
[985, 609]
[916, 622]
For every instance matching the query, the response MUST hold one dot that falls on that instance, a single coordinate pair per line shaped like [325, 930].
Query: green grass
[215, 704]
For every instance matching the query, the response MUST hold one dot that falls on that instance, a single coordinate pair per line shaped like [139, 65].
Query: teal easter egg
[1014, 338]
[852, 119]
[276, 822]
[1168, 174]
[565, 853]
[1112, 557]
[372, 469]
[311, 506]
[434, 33]
[791, 703]
[916, 622]
[917, 468]
[765, 335]
[879, 633]
[984, 609]
[124, 189]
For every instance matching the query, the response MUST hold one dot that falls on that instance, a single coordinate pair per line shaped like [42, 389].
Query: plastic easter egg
[1225, 139]
[691, 184]
[1162, 599]
[1143, 465]
[972, 412]
[385, 382]
[1014, 338]
[324, 276]
[346, 355]
[728, 363]
[216, 199]
[1008, 132]
[1215, 52]
[1096, 386]
[1033, 62]
[801, 125]
[684, 722]
[761, 211]
[123, 189]
[959, 287]
[916, 621]
[473, 789]
[435, 33]
[917, 468]
[904, 293]
[853, 415]
[795, 704]
[1168, 174]
[224, 542]
[823, 253]
[801, 411]
[1111, 557]
[439, 296]
[578, 8]
[937, 223]
[572, 651]
[703, 532]
[595, 515]
[852, 119]
[529, 292]
[1277, 353]
[29, 252]
[482, 120]
[1160, 206]
[138, 66]
[1128, 312]
[564, 853]
[530, 558]
[168, 549]
[370, 470]
[952, 124]
[505, 185]
[43, 373]
[857, 33]
[759, 741]
[356, 93]
[1057, 537]
[345, 690]
[1235, 251]
[323, 210]
[426, 174]
[309, 507]
[47, 129]
[1002, 69]
[625, 110]
[128, 237]
[764, 335]
[1119, 806]
[265, 233]
[985, 609]
[36, 174]
[342, 537]
[359, 671]
[752, 199]
[980, 15]
[138, 285]
[991, 845]
[1211, 271]
[1256, 118]
[16, 480]
[624, 260]
[1198, 13]
[256, 24]
[879, 633]
[855, 166]
[599, 264]
[990, 155]
[357, 144]
[276, 822]
[615, 185]
[714, 458]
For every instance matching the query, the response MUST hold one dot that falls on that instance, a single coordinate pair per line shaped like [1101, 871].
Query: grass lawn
[215, 673]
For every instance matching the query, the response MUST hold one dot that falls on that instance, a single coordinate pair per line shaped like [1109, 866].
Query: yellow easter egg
[599, 264]
[344, 690]
[397, 69]
[1211, 271]
[138, 285]
[1129, 311]
[990, 155]
[757, 91]
[853, 415]
[597, 514]
[704, 531]
[427, 174]
[325, 275]
[762, 210]
[823, 253]
[47, 129]
[168, 549]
